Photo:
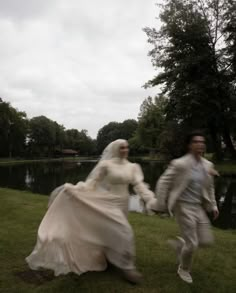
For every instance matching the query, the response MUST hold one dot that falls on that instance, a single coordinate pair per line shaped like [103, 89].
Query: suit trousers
[195, 229]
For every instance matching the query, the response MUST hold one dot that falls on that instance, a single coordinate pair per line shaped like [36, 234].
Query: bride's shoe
[133, 276]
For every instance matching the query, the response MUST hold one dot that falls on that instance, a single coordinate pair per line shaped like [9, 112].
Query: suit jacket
[175, 179]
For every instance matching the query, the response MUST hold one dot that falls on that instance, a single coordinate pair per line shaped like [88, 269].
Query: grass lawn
[214, 269]
[228, 168]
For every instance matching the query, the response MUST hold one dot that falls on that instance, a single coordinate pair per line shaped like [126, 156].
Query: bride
[86, 224]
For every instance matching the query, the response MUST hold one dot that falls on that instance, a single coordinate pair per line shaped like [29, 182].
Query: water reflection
[44, 177]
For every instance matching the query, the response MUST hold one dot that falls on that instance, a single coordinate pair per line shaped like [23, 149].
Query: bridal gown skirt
[81, 230]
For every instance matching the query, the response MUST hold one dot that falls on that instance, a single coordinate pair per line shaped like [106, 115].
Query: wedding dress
[86, 224]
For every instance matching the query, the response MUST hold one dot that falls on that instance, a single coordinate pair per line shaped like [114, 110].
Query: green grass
[226, 168]
[214, 269]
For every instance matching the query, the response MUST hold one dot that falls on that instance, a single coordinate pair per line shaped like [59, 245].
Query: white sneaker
[177, 245]
[185, 275]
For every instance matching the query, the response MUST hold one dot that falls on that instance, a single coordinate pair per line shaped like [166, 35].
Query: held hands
[151, 206]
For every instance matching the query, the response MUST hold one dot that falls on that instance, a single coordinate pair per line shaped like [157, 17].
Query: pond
[43, 177]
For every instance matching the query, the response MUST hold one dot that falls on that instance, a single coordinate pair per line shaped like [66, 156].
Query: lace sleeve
[142, 189]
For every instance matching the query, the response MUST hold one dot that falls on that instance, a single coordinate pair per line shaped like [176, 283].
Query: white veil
[110, 152]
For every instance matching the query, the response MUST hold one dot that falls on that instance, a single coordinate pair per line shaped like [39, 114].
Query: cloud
[24, 9]
[81, 63]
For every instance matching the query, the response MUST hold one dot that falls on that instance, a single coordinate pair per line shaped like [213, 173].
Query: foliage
[39, 136]
[80, 141]
[113, 131]
[151, 122]
[44, 136]
[172, 140]
[13, 130]
[194, 50]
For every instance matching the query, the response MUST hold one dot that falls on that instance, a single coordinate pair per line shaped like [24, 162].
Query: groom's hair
[192, 134]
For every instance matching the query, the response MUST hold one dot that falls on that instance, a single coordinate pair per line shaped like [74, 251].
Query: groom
[187, 189]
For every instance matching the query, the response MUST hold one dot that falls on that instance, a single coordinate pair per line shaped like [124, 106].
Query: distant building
[66, 153]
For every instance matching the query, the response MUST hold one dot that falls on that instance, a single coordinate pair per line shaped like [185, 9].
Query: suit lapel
[185, 178]
[206, 169]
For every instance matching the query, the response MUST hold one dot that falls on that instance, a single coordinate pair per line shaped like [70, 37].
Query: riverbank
[7, 161]
[214, 269]
[226, 168]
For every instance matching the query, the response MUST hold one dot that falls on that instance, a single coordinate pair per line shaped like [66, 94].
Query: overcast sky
[80, 63]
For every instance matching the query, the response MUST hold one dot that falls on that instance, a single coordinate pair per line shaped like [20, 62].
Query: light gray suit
[192, 219]
[175, 179]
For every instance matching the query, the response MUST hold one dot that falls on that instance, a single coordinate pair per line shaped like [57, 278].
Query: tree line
[194, 54]
[43, 137]
[39, 136]
[151, 134]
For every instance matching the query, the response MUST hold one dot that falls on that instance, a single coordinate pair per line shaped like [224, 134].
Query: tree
[115, 130]
[80, 141]
[151, 121]
[128, 128]
[13, 130]
[191, 50]
[59, 136]
[72, 139]
[172, 139]
[230, 39]
[87, 146]
[42, 135]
